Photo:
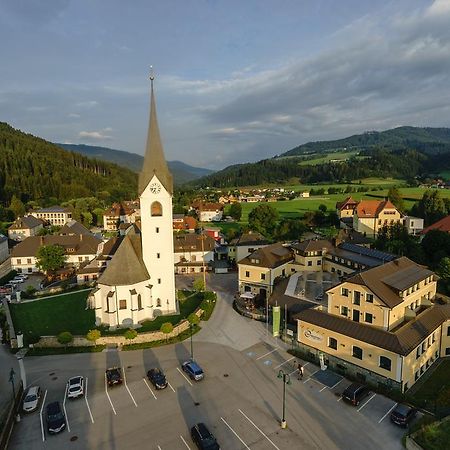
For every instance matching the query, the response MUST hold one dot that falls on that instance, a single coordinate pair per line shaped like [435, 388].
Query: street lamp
[286, 380]
[11, 380]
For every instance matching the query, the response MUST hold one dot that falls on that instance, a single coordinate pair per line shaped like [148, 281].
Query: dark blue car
[194, 371]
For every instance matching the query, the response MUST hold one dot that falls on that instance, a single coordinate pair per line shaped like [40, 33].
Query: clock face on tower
[155, 188]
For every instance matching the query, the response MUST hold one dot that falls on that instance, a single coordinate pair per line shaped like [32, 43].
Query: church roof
[127, 266]
[154, 160]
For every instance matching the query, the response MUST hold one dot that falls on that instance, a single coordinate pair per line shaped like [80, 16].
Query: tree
[93, 336]
[65, 338]
[236, 211]
[198, 285]
[323, 208]
[166, 328]
[130, 334]
[17, 207]
[435, 245]
[193, 321]
[430, 207]
[263, 219]
[50, 258]
[396, 198]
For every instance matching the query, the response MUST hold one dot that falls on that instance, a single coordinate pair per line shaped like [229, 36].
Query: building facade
[24, 227]
[55, 215]
[372, 215]
[194, 253]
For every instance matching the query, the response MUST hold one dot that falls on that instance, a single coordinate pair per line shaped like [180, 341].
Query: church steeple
[154, 161]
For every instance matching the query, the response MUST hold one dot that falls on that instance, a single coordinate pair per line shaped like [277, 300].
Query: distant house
[184, 223]
[24, 227]
[193, 252]
[209, 212]
[304, 194]
[119, 213]
[78, 248]
[346, 208]
[371, 215]
[73, 227]
[239, 248]
[55, 215]
[414, 225]
[441, 225]
[213, 232]
[4, 251]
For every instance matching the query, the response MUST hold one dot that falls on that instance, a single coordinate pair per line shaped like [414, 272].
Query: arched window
[139, 302]
[156, 209]
[158, 303]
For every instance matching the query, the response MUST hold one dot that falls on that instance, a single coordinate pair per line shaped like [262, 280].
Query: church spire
[154, 161]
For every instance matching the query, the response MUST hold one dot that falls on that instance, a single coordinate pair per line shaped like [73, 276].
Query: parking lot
[239, 400]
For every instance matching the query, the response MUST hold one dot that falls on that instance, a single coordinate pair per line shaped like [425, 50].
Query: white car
[31, 400]
[75, 387]
[16, 281]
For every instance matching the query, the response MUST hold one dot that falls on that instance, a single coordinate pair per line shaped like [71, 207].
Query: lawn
[324, 158]
[51, 316]
[435, 436]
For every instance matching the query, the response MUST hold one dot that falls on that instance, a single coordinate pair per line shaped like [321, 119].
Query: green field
[324, 158]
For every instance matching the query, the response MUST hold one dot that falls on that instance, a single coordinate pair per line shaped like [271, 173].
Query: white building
[193, 252]
[56, 215]
[139, 282]
[210, 212]
[24, 227]
[414, 225]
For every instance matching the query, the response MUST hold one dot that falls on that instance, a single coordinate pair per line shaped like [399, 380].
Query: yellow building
[381, 325]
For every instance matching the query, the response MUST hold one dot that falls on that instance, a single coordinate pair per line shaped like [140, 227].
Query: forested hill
[419, 138]
[425, 151]
[34, 169]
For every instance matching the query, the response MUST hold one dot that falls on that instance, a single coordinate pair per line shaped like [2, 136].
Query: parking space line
[234, 432]
[325, 387]
[159, 448]
[268, 353]
[390, 410]
[131, 395]
[256, 426]
[296, 369]
[182, 374]
[310, 377]
[149, 388]
[171, 387]
[40, 415]
[109, 398]
[283, 363]
[362, 406]
[185, 443]
[339, 399]
[64, 407]
[86, 398]
[340, 381]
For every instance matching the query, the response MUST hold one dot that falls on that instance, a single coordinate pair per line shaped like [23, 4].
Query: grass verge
[435, 436]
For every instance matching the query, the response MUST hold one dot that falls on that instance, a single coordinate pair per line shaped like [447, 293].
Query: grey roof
[406, 278]
[27, 223]
[53, 209]
[371, 253]
[73, 227]
[270, 257]
[154, 161]
[126, 266]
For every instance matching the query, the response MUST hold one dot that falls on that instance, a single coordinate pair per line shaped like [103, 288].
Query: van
[355, 393]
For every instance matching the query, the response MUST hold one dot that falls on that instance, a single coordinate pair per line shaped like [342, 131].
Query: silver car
[75, 387]
[31, 400]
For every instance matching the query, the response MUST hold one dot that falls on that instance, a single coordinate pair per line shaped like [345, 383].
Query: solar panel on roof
[406, 278]
[367, 251]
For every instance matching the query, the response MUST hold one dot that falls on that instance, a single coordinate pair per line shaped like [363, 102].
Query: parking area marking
[283, 363]
[340, 381]
[171, 387]
[109, 398]
[131, 395]
[364, 404]
[390, 410]
[310, 377]
[182, 374]
[296, 369]
[185, 443]
[86, 398]
[268, 353]
[149, 388]
[339, 399]
[234, 432]
[40, 415]
[159, 448]
[64, 407]
[325, 387]
[259, 429]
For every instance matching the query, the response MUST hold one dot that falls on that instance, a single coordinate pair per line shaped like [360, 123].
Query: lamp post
[286, 380]
[11, 380]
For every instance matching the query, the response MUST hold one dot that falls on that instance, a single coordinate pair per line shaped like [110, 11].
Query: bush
[65, 338]
[131, 334]
[93, 335]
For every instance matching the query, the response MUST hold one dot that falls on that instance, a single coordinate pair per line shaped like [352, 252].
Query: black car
[114, 376]
[403, 414]
[56, 420]
[355, 393]
[203, 438]
[157, 378]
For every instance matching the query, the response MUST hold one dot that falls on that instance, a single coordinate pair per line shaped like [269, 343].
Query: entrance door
[263, 293]
[356, 315]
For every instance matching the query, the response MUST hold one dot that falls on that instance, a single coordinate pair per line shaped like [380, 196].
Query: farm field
[324, 158]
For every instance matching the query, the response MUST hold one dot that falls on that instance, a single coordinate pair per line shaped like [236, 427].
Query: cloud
[73, 116]
[96, 135]
[87, 104]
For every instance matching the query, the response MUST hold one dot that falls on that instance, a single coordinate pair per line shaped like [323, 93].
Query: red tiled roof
[441, 225]
[372, 208]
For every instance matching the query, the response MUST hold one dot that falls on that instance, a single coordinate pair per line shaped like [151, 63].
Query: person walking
[300, 371]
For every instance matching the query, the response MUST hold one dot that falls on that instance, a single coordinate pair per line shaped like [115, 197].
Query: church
[139, 282]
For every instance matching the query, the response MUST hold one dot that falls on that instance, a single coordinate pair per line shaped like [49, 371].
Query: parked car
[114, 376]
[355, 393]
[194, 371]
[403, 414]
[16, 281]
[31, 400]
[157, 378]
[56, 421]
[203, 438]
[75, 387]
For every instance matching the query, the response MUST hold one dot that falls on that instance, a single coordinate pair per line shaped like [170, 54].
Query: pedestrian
[300, 372]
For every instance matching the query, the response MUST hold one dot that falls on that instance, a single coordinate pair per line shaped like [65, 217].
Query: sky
[236, 81]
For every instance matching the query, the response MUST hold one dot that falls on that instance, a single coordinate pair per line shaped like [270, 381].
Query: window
[433, 338]
[344, 311]
[263, 276]
[28, 260]
[447, 351]
[344, 292]
[122, 304]
[158, 302]
[86, 278]
[157, 229]
[332, 343]
[309, 263]
[156, 209]
[369, 298]
[448, 331]
[418, 352]
[158, 255]
[80, 259]
[385, 363]
[159, 280]
[194, 258]
[416, 376]
[369, 318]
[319, 262]
[139, 302]
[19, 261]
[357, 352]
[247, 274]
[356, 298]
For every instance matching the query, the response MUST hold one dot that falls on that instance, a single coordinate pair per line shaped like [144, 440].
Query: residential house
[119, 213]
[214, 232]
[414, 225]
[381, 326]
[73, 227]
[239, 248]
[209, 212]
[346, 208]
[193, 252]
[371, 215]
[55, 215]
[441, 225]
[304, 194]
[24, 227]
[78, 249]
[184, 223]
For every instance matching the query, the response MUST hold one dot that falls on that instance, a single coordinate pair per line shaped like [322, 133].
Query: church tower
[155, 192]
